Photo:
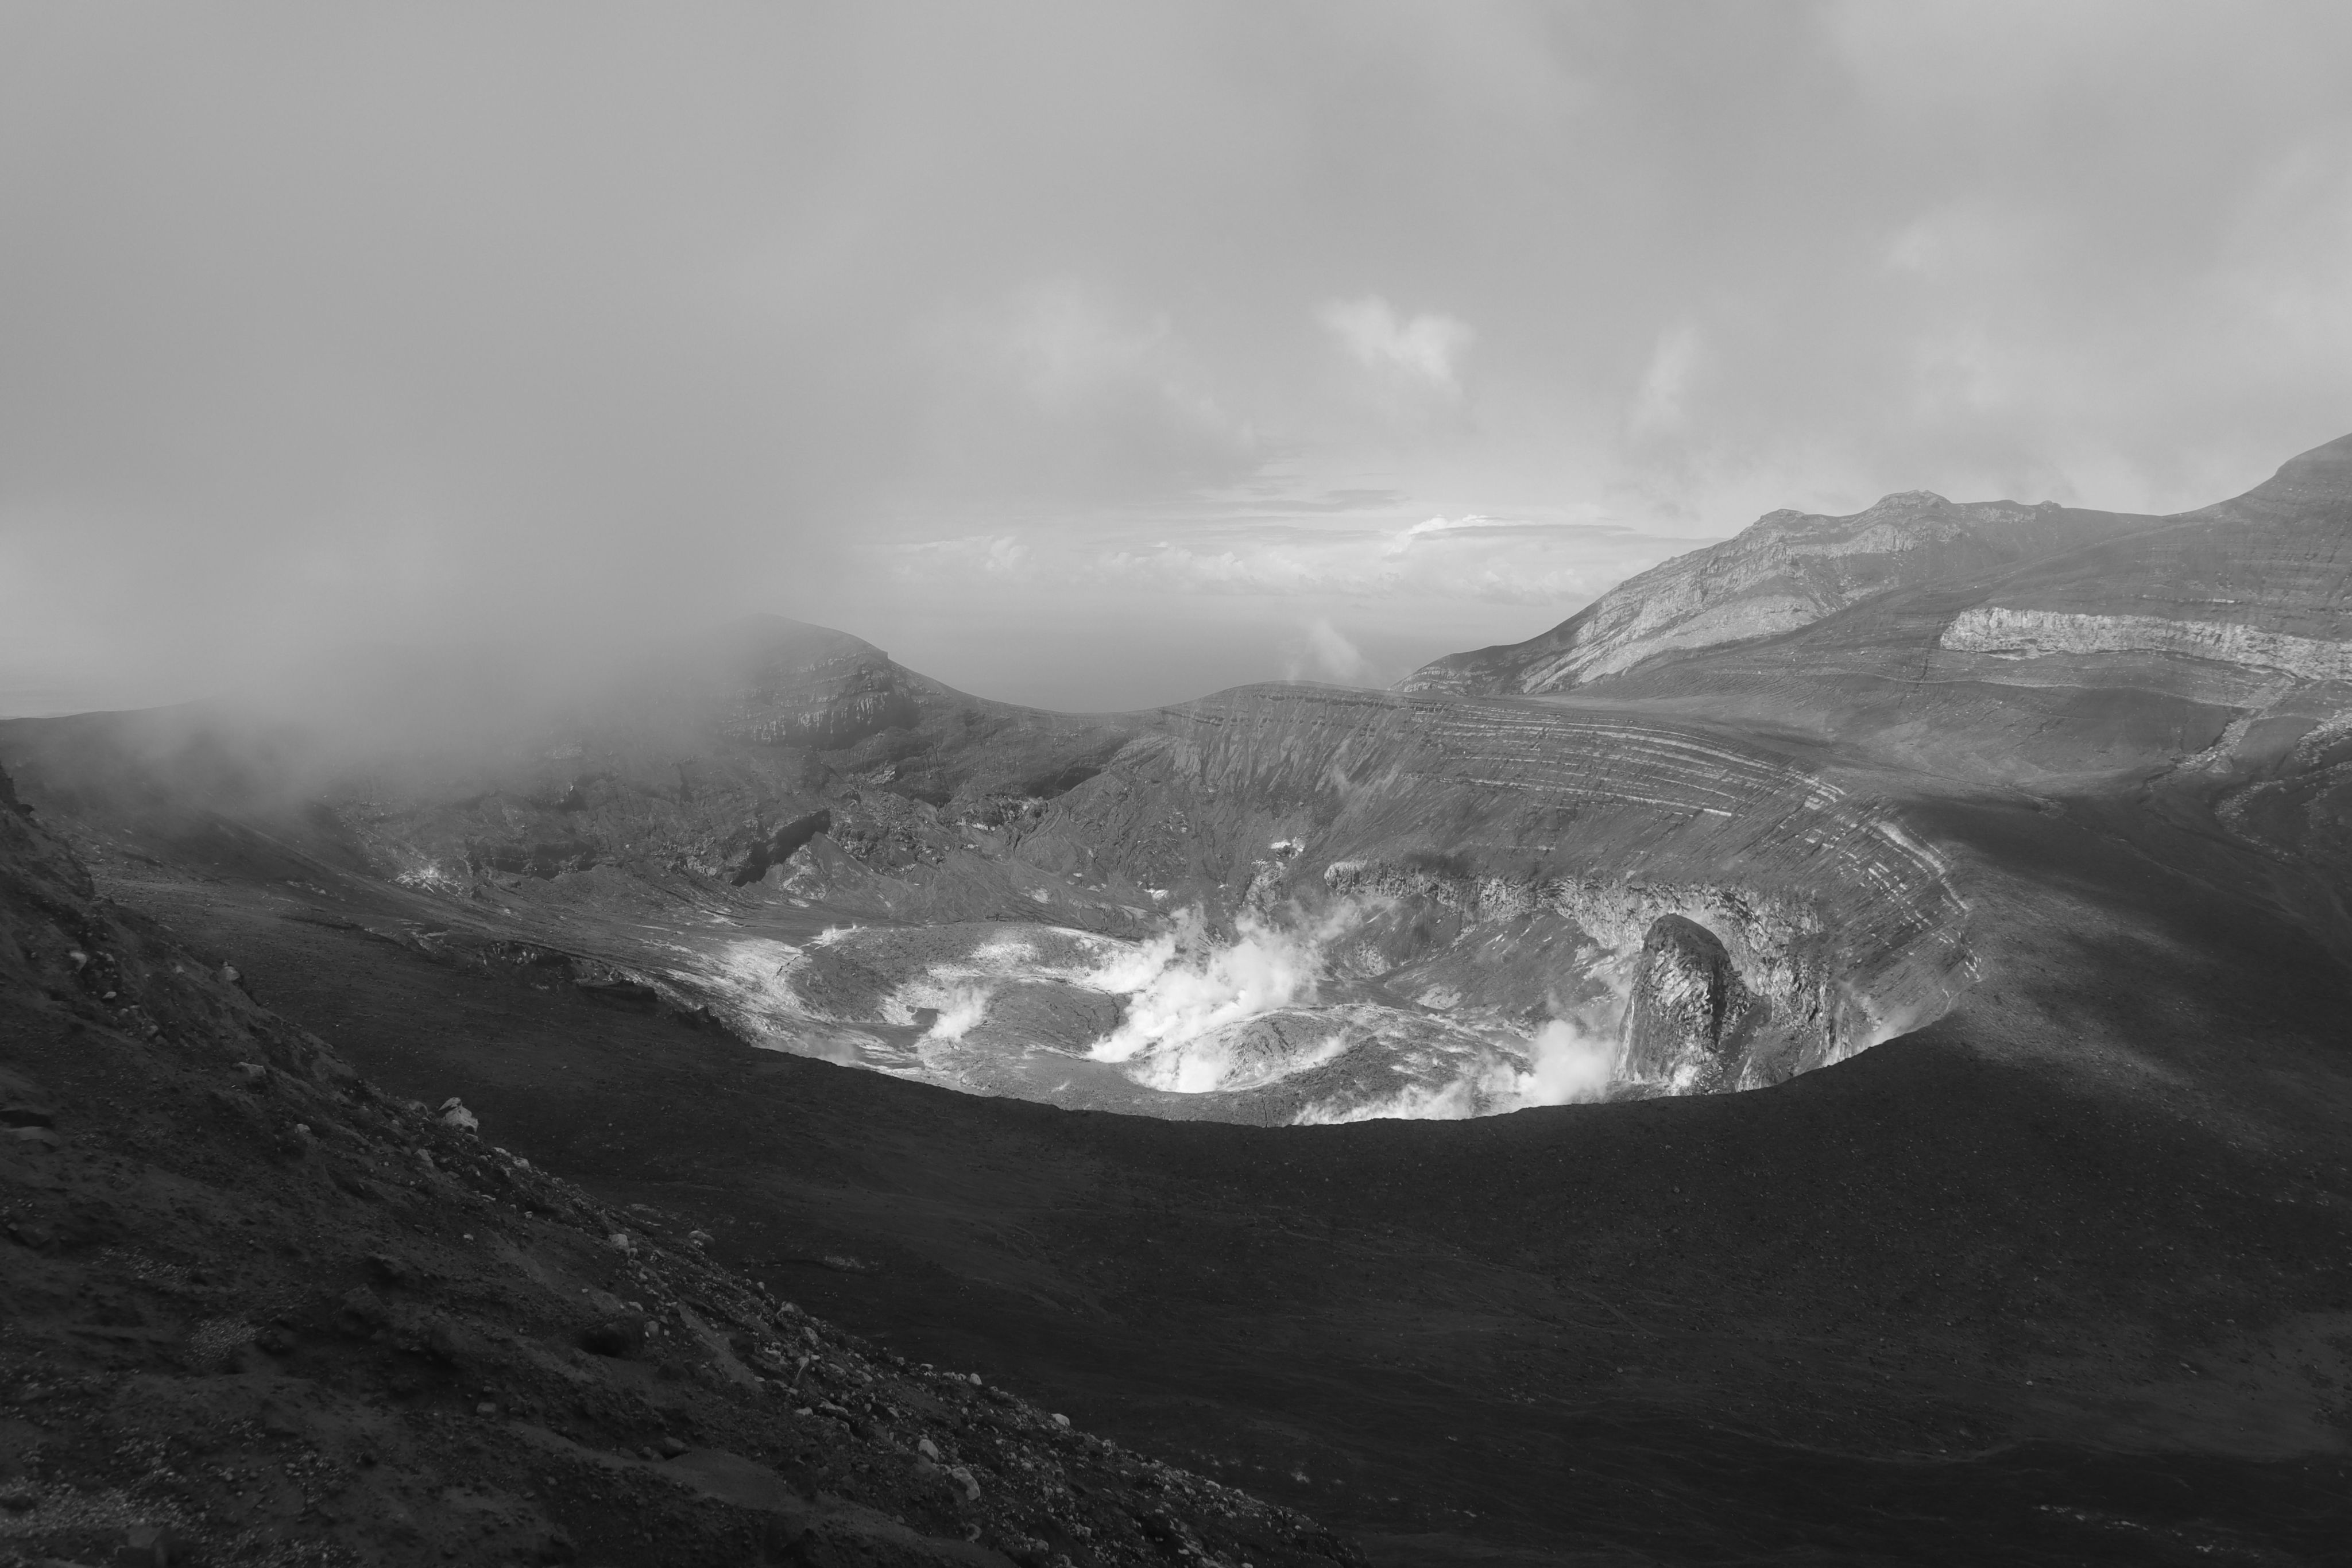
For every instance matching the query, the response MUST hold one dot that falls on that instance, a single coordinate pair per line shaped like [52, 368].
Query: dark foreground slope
[254, 1311]
[2062, 1279]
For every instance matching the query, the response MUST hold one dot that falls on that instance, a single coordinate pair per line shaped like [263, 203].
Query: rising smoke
[1182, 987]
[1199, 1012]
[1205, 1016]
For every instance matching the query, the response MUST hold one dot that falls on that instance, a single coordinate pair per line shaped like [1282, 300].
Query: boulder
[1691, 1014]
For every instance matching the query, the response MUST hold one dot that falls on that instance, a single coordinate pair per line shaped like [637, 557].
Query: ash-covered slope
[1785, 570]
[258, 1313]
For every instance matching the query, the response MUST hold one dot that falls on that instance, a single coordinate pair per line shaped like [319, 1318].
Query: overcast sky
[1100, 355]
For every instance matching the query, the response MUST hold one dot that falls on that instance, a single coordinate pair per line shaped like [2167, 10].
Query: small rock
[614, 1337]
[146, 1546]
[365, 1309]
[252, 1072]
[17, 1497]
[454, 1114]
[1063, 1422]
[671, 1447]
[963, 1478]
[928, 1449]
[619, 1241]
[390, 1270]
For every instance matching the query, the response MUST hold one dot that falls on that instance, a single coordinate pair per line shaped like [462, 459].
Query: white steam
[1564, 1062]
[1567, 1064]
[1274, 1002]
[959, 1010]
[1181, 986]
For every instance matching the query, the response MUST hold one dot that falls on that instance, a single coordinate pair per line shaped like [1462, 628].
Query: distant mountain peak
[2322, 473]
[1790, 569]
[1907, 501]
[1787, 569]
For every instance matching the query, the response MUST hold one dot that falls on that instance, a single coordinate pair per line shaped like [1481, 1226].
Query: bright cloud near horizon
[1101, 356]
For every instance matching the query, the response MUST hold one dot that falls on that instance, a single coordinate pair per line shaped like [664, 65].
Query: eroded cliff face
[1460, 829]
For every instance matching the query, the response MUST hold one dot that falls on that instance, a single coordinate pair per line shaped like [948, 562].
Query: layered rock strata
[1832, 910]
[2041, 633]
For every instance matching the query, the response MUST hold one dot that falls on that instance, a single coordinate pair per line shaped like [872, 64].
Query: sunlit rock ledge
[2039, 633]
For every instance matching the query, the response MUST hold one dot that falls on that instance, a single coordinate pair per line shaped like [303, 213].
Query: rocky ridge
[1785, 570]
[2201, 662]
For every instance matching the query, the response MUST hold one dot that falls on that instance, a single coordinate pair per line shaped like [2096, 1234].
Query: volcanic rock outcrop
[1687, 1025]
[1494, 810]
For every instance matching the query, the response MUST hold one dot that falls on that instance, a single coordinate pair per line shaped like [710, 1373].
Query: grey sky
[1099, 355]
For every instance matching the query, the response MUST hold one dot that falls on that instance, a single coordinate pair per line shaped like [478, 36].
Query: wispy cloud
[1425, 349]
[1321, 652]
[345, 331]
[1658, 404]
[1492, 560]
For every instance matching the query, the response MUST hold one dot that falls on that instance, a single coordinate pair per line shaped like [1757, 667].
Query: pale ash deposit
[2039, 633]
